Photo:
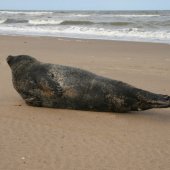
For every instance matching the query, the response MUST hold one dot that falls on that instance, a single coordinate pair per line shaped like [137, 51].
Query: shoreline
[85, 39]
[43, 138]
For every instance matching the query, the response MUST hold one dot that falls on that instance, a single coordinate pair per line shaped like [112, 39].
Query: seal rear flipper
[150, 100]
[162, 101]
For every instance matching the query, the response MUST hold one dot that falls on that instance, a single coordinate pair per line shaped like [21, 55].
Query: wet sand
[41, 138]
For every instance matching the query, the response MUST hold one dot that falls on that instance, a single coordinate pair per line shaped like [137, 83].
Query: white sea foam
[26, 12]
[132, 15]
[2, 21]
[44, 22]
[79, 15]
[121, 33]
[85, 32]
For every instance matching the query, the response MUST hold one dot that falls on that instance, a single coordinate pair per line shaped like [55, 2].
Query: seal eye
[9, 59]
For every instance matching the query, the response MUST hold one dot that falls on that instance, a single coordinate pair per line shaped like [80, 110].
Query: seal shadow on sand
[158, 115]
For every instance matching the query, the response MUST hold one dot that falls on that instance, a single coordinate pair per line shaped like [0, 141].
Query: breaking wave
[2, 21]
[61, 22]
[94, 23]
[77, 23]
[15, 21]
[44, 22]
[135, 15]
[26, 12]
[93, 32]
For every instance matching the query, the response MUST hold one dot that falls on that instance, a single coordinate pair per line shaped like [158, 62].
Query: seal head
[14, 61]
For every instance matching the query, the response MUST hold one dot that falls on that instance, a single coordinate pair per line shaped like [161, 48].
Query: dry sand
[53, 139]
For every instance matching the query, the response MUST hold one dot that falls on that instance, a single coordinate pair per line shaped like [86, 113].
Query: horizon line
[84, 9]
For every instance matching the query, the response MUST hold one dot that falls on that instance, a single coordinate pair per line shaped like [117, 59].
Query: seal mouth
[9, 59]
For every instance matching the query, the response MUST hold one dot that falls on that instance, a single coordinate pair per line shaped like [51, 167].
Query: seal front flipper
[48, 88]
[33, 101]
[43, 91]
[30, 97]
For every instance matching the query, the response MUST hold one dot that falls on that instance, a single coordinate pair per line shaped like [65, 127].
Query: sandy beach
[34, 138]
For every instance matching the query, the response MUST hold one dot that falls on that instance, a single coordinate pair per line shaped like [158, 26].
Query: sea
[145, 26]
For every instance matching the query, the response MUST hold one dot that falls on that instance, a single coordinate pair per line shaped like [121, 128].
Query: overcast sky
[86, 4]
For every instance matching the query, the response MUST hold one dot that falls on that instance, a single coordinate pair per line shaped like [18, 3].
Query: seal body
[57, 86]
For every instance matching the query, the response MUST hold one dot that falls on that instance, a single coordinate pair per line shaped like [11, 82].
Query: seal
[56, 86]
